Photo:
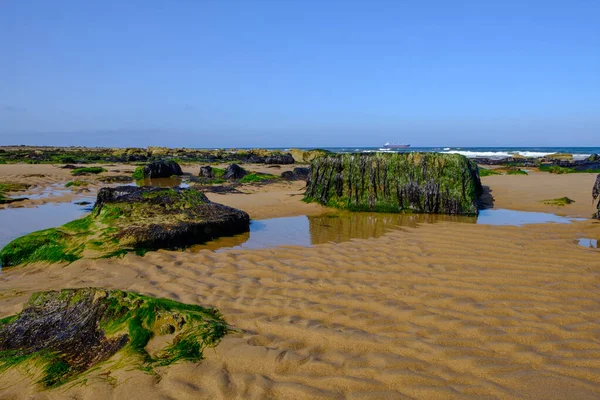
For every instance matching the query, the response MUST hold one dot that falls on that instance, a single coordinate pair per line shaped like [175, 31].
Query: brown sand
[445, 310]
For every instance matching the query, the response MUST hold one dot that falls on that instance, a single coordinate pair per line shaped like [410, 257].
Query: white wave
[446, 148]
[504, 154]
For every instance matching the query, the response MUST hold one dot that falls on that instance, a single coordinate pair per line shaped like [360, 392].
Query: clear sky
[246, 73]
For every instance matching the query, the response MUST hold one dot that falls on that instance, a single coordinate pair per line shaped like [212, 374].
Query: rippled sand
[445, 310]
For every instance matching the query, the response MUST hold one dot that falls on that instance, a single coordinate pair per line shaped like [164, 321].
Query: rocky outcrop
[306, 156]
[279, 159]
[234, 171]
[129, 218]
[73, 330]
[84, 155]
[206, 172]
[298, 174]
[158, 169]
[399, 182]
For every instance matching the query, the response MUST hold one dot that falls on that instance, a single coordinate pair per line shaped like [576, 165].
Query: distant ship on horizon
[389, 145]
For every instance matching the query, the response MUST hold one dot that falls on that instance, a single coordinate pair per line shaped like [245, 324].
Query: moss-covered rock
[306, 156]
[398, 182]
[129, 218]
[6, 187]
[68, 332]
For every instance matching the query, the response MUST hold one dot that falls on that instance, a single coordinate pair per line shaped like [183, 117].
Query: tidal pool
[589, 243]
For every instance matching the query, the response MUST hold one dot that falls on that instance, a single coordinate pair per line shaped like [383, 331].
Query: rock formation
[397, 182]
[129, 218]
[234, 171]
[73, 330]
[158, 169]
[298, 174]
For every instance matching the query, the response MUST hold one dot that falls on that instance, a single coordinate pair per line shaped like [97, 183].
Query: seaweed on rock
[128, 218]
[399, 182]
[73, 330]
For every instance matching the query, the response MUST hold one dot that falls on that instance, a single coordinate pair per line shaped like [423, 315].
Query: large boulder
[398, 182]
[160, 169]
[279, 159]
[206, 172]
[74, 330]
[298, 174]
[129, 218]
[234, 171]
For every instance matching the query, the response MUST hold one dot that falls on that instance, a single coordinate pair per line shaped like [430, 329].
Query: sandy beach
[442, 310]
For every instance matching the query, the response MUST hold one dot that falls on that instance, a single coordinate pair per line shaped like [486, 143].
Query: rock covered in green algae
[128, 218]
[73, 330]
[397, 182]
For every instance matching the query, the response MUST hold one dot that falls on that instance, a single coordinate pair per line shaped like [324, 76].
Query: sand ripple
[440, 311]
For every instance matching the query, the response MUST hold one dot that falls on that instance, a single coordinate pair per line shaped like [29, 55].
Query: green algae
[87, 171]
[557, 169]
[560, 202]
[488, 172]
[76, 183]
[95, 325]
[138, 174]
[398, 182]
[256, 177]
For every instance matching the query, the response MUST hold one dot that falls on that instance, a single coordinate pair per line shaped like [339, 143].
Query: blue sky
[300, 73]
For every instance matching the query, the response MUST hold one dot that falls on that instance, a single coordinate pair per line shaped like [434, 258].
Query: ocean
[579, 153]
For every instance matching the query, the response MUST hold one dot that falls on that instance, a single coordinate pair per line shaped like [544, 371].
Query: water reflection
[589, 243]
[15, 222]
[307, 230]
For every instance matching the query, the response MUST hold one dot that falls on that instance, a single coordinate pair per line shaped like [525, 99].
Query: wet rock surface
[72, 330]
[298, 174]
[161, 169]
[234, 171]
[401, 182]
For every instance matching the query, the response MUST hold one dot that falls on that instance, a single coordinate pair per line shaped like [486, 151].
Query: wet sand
[445, 310]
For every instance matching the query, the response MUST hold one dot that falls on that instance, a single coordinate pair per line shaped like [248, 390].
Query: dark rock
[298, 174]
[206, 172]
[302, 173]
[398, 182]
[162, 169]
[69, 166]
[279, 159]
[594, 158]
[64, 331]
[234, 171]
[83, 203]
